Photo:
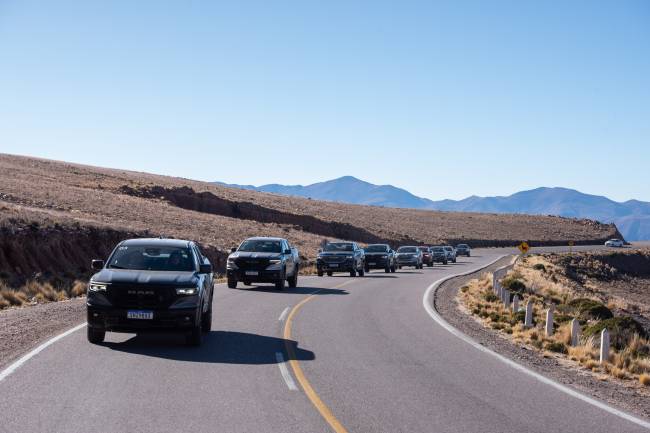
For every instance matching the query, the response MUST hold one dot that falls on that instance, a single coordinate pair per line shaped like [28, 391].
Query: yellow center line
[322, 408]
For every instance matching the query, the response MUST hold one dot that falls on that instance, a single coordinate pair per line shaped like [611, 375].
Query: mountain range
[632, 217]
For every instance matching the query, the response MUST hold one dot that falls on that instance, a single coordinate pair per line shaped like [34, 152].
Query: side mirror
[205, 268]
[97, 265]
[233, 249]
[287, 251]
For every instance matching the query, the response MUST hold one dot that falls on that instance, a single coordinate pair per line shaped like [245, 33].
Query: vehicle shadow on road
[408, 272]
[220, 347]
[384, 275]
[295, 290]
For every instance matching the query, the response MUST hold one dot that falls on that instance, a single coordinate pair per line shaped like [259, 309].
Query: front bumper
[408, 261]
[346, 266]
[377, 262]
[114, 319]
[439, 259]
[264, 276]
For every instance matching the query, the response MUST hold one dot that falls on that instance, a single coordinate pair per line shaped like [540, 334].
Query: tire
[206, 321]
[430, 264]
[454, 260]
[232, 284]
[468, 254]
[353, 273]
[293, 280]
[392, 269]
[279, 285]
[387, 270]
[96, 335]
[444, 262]
[329, 273]
[319, 273]
[246, 283]
[361, 272]
[399, 267]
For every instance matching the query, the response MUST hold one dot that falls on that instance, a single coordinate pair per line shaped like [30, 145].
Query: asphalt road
[363, 356]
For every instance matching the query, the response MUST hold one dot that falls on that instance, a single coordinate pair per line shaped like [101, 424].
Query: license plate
[139, 314]
[334, 265]
[252, 273]
[372, 263]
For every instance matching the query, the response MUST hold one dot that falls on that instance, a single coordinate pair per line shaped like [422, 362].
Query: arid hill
[81, 199]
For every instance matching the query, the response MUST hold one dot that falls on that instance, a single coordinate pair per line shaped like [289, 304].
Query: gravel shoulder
[22, 329]
[632, 399]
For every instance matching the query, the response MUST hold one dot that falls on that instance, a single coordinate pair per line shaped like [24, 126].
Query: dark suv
[409, 256]
[380, 256]
[151, 285]
[463, 250]
[341, 257]
[263, 260]
[439, 255]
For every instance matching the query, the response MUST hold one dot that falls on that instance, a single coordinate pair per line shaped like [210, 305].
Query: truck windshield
[407, 250]
[152, 258]
[338, 247]
[376, 249]
[261, 246]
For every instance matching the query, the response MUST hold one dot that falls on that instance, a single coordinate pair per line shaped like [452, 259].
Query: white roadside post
[528, 322]
[575, 332]
[506, 298]
[549, 321]
[515, 304]
[495, 287]
[604, 346]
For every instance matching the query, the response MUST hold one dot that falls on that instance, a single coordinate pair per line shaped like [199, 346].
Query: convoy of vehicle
[263, 260]
[380, 256]
[149, 285]
[341, 257]
[409, 256]
[427, 259]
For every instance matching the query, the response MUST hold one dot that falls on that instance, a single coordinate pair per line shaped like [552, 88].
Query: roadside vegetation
[545, 281]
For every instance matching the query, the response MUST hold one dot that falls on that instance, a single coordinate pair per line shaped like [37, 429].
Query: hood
[254, 255]
[156, 278]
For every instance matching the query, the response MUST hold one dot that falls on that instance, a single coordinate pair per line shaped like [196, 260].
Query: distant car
[151, 285]
[341, 257]
[427, 258]
[380, 256]
[439, 255]
[409, 256]
[616, 243]
[263, 260]
[451, 253]
[463, 250]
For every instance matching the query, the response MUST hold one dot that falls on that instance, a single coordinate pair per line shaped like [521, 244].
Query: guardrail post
[528, 322]
[575, 332]
[495, 283]
[506, 298]
[604, 346]
[515, 304]
[549, 321]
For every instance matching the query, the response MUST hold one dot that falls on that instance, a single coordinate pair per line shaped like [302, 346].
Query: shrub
[464, 289]
[514, 284]
[490, 297]
[621, 330]
[13, 297]
[556, 346]
[539, 267]
[591, 309]
[644, 379]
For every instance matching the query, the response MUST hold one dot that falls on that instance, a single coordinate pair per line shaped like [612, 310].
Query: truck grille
[334, 259]
[141, 297]
[251, 264]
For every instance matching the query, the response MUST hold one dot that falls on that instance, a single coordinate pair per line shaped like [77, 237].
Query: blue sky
[445, 99]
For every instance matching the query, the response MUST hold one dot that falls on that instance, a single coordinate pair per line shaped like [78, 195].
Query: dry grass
[644, 379]
[630, 362]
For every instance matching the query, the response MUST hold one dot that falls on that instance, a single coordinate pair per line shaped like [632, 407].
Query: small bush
[490, 297]
[621, 330]
[464, 289]
[514, 284]
[13, 297]
[644, 379]
[539, 267]
[590, 309]
[556, 346]
[475, 311]
[494, 316]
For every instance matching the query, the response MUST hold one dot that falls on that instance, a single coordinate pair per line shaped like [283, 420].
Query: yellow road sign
[523, 247]
[571, 243]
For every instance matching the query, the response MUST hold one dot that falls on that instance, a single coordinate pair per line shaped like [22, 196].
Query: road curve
[366, 347]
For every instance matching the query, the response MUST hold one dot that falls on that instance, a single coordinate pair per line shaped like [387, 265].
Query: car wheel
[96, 335]
[387, 270]
[232, 284]
[392, 269]
[329, 273]
[206, 320]
[454, 259]
[293, 281]
[399, 267]
[279, 285]
[353, 273]
[444, 262]
[430, 264]
[361, 272]
[319, 273]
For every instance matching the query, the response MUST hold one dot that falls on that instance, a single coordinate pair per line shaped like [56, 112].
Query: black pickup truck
[263, 260]
[380, 256]
[341, 257]
[151, 285]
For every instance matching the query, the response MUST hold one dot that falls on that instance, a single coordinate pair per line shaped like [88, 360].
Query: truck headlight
[230, 264]
[96, 287]
[187, 291]
[274, 261]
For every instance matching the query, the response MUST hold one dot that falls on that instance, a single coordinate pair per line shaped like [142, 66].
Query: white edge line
[283, 315]
[13, 367]
[428, 306]
[285, 372]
